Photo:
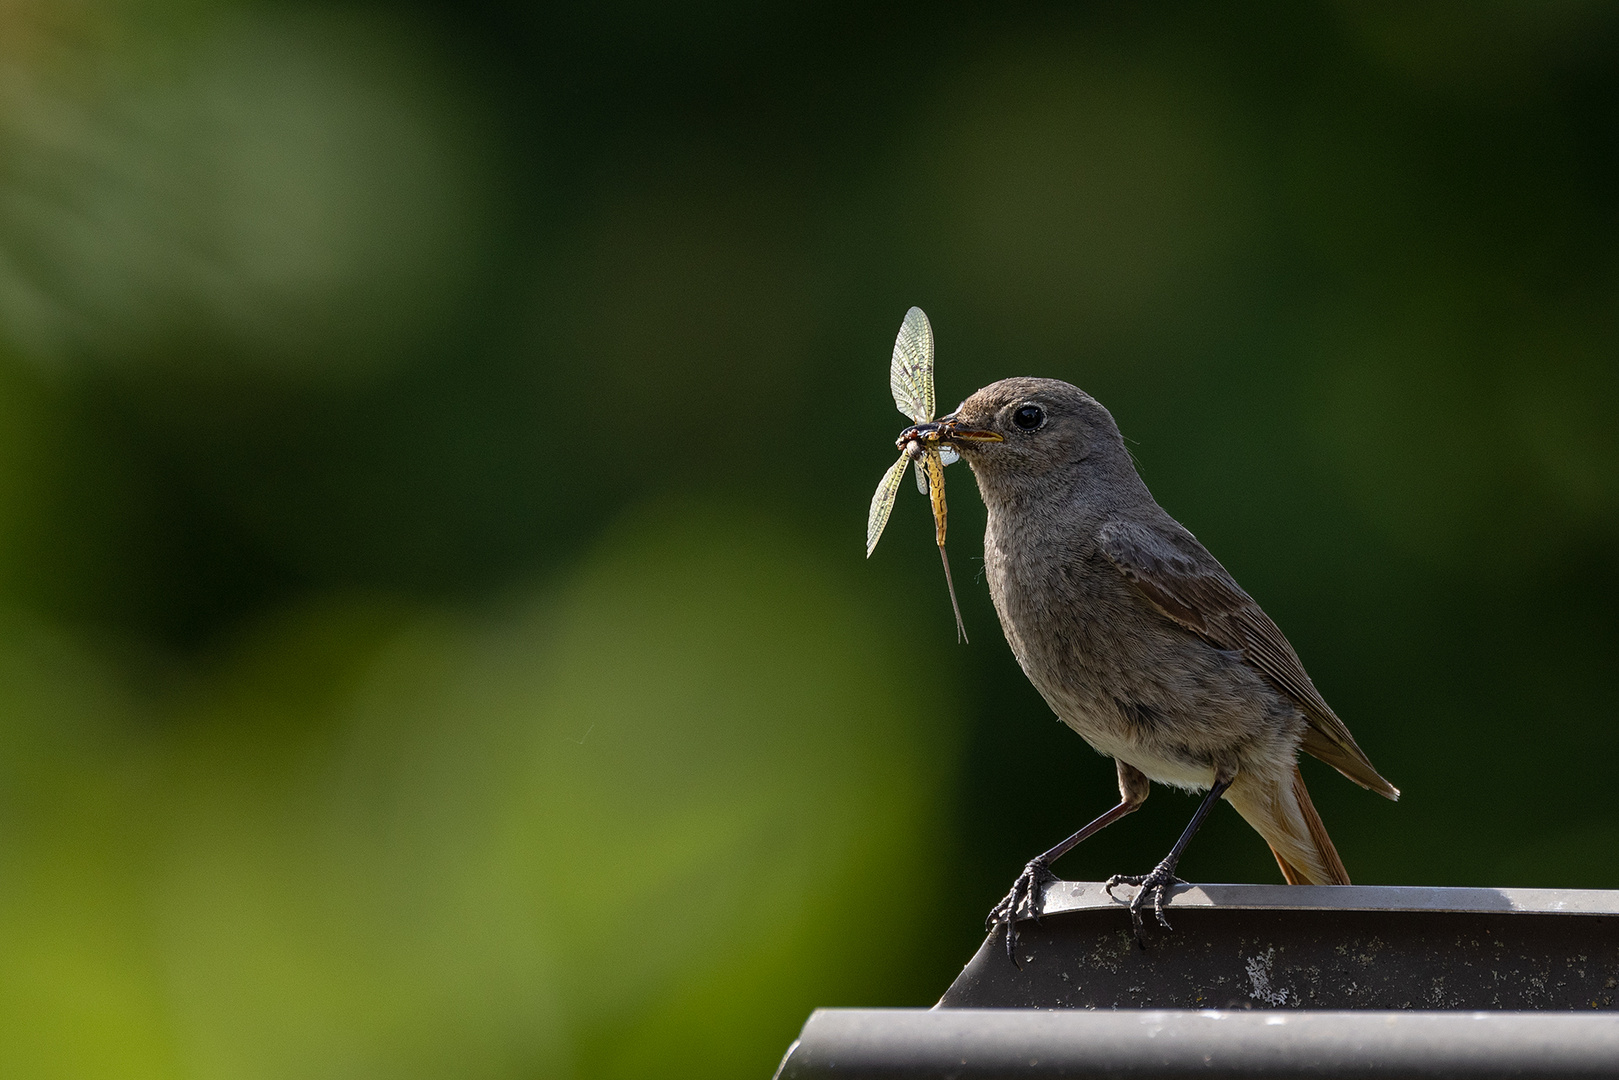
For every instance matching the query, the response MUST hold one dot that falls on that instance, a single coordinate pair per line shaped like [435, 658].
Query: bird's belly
[1157, 764]
[1135, 687]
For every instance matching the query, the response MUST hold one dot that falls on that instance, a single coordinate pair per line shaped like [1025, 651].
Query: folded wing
[1179, 576]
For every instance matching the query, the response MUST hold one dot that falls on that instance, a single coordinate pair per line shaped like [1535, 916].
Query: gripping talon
[1021, 902]
[1117, 880]
[1155, 884]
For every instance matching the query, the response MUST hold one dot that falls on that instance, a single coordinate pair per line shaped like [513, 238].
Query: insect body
[926, 445]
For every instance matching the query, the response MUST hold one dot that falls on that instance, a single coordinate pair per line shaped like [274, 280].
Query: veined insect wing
[910, 373]
[910, 379]
[882, 503]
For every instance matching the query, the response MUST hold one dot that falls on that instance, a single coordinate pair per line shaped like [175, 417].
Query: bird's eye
[1029, 417]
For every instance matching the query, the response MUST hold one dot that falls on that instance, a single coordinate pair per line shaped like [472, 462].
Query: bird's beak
[946, 430]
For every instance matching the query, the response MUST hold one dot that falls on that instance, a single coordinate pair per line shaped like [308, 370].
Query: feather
[1187, 584]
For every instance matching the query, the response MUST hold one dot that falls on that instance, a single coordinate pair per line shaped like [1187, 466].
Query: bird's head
[1031, 433]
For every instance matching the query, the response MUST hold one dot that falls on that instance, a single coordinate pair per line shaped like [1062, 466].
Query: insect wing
[910, 374]
[882, 503]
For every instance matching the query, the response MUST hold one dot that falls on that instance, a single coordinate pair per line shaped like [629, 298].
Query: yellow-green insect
[925, 444]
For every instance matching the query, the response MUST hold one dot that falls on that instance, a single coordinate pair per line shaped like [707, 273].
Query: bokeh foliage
[435, 440]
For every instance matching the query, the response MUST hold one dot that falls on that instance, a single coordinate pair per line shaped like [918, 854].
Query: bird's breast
[1063, 609]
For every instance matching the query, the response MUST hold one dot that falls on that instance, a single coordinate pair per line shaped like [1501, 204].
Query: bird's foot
[1022, 902]
[1155, 885]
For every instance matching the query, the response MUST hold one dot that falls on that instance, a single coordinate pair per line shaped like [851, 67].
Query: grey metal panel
[1309, 947]
[1091, 895]
[971, 1044]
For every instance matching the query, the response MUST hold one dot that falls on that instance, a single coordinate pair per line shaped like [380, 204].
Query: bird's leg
[1163, 875]
[1024, 899]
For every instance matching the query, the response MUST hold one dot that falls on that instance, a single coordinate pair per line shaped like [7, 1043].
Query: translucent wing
[882, 503]
[910, 375]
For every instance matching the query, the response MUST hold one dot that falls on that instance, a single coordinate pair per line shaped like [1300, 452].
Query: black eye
[1029, 417]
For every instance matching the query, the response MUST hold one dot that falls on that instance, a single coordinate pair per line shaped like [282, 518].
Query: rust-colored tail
[1286, 818]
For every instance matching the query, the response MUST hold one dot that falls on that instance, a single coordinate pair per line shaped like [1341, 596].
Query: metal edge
[1065, 896]
[973, 1043]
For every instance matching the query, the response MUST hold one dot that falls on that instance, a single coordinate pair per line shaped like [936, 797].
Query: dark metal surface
[1309, 947]
[972, 1044]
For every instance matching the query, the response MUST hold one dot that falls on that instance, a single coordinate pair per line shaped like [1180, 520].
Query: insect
[925, 445]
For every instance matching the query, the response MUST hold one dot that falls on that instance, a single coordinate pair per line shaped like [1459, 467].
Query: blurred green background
[435, 442]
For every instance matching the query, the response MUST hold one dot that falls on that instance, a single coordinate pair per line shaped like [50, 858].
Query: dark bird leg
[1163, 875]
[1023, 902]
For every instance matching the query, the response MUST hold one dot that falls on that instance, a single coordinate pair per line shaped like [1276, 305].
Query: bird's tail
[1283, 814]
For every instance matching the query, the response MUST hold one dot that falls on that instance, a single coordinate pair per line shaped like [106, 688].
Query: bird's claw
[1154, 884]
[1022, 902]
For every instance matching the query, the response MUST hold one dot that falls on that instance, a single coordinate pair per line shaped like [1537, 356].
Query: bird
[1139, 640]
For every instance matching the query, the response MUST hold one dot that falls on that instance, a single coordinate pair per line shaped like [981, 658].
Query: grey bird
[1139, 639]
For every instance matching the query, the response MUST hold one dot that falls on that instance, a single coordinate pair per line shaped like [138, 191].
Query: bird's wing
[1179, 576]
[910, 373]
[882, 502]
